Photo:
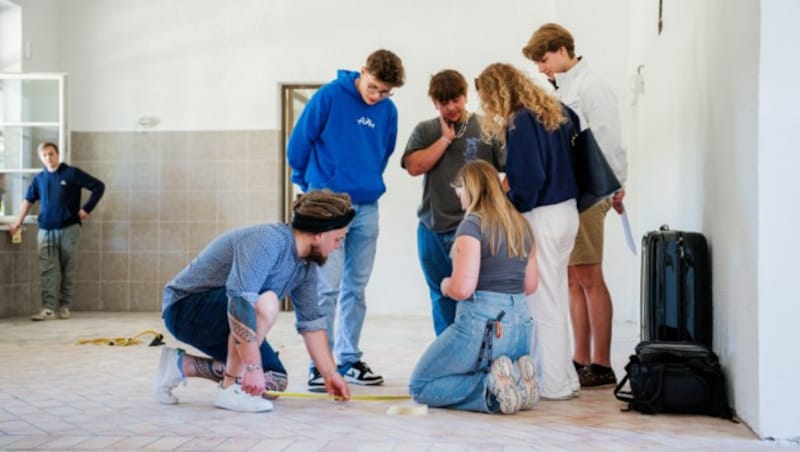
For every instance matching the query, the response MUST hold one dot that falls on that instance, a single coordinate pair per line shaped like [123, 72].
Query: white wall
[714, 156]
[778, 240]
[694, 143]
[198, 66]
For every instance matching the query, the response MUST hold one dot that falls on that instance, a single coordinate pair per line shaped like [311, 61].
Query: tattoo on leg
[242, 319]
[208, 368]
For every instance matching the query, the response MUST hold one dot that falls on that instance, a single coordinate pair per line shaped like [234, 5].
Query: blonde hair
[487, 199]
[504, 89]
[549, 38]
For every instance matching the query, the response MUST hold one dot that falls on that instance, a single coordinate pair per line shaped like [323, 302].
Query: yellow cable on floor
[309, 395]
[158, 339]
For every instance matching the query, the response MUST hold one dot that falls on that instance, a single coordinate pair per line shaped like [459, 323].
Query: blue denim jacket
[248, 262]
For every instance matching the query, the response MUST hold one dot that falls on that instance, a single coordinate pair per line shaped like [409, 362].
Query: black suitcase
[676, 287]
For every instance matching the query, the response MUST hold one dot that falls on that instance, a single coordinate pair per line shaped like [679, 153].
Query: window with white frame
[32, 110]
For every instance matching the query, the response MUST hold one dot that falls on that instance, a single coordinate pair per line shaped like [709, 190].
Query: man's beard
[315, 255]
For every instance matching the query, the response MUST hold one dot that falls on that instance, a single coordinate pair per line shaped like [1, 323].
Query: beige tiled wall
[167, 195]
[19, 275]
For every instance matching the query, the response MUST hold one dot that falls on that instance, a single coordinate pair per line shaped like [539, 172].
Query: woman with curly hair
[536, 130]
[480, 362]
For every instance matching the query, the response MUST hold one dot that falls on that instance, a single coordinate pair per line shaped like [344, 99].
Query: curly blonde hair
[504, 89]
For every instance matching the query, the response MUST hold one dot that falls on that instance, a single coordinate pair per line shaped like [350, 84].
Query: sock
[180, 362]
[598, 369]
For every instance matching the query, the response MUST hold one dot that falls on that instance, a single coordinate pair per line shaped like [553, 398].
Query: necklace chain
[463, 129]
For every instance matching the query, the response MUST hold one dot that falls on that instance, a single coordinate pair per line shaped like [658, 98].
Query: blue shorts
[201, 320]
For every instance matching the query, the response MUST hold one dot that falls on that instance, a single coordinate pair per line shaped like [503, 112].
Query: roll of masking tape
[407, 410]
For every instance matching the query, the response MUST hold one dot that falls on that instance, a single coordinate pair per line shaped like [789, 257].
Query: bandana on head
[315, 225]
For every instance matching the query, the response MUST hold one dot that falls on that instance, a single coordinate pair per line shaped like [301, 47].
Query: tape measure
[310, 395]
[158, 339]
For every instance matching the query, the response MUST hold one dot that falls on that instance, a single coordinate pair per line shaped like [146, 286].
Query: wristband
[446, 140]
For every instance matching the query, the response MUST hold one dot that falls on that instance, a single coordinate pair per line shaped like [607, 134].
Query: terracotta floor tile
[95, 397]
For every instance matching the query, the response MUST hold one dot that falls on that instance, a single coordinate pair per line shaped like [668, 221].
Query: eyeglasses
[373, 89]
[383, 93]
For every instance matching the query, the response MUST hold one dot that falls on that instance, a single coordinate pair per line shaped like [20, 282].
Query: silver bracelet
[251, 367]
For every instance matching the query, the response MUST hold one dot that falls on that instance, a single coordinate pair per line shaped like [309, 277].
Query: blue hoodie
[341, 143]
[60, 193]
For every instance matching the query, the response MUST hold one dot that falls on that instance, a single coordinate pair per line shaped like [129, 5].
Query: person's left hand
[337, 387]
[616, 201]
[83, 215]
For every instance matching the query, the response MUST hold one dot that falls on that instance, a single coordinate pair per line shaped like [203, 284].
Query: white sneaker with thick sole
[503, 386]
[168, 376]
[527, 382]
[235, 399]
[44, 314]
[63, 312]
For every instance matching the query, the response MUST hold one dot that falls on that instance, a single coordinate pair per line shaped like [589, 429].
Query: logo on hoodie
[364, 121]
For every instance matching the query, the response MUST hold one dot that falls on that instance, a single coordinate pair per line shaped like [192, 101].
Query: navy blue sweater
[60, 193]
[538, 165]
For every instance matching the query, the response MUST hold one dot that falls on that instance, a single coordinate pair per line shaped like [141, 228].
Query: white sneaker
[502, 385]
[526, 382]
[168, 376]
[45, 314]
[235, 399]
[63, 312]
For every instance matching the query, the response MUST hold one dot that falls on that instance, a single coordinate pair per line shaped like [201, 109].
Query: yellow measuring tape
[158, 339]
[310, 395]
[393, 410]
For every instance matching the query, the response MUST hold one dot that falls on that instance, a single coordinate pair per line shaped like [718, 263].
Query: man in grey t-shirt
[437, 149]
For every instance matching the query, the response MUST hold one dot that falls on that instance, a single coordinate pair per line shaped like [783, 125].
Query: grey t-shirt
[498, 273]
[440, 209]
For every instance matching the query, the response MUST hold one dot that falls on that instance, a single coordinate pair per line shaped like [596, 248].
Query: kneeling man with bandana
[227, 299]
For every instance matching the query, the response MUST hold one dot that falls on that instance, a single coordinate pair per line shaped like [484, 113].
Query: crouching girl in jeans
[481, 362]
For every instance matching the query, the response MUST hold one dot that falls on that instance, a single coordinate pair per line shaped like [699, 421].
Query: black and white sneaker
[359, 373]
[315, 379]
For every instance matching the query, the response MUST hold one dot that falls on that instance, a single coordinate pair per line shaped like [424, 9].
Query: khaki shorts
[589, 241]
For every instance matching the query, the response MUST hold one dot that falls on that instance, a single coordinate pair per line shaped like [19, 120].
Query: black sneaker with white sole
[315, 379]
[359, 373]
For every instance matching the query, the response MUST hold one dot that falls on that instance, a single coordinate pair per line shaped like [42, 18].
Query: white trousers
[554, 228]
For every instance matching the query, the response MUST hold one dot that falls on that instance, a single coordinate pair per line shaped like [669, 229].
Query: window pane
[29, 101]
[13, 188]
[18, 145]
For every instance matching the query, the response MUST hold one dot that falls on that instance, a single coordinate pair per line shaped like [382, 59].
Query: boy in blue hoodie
[59, 188]
[342, 142]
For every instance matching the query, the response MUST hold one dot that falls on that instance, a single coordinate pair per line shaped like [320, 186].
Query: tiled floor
[59, 395]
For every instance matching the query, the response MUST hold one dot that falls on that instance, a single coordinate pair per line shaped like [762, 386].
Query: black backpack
[675, 377]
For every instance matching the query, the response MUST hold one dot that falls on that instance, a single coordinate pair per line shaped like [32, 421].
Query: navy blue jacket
[60, 193]
[538, 165]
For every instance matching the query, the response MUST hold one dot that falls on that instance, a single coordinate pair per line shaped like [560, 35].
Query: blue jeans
[449, 375]
[433, 249]
[342, 282]
[201, 320]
